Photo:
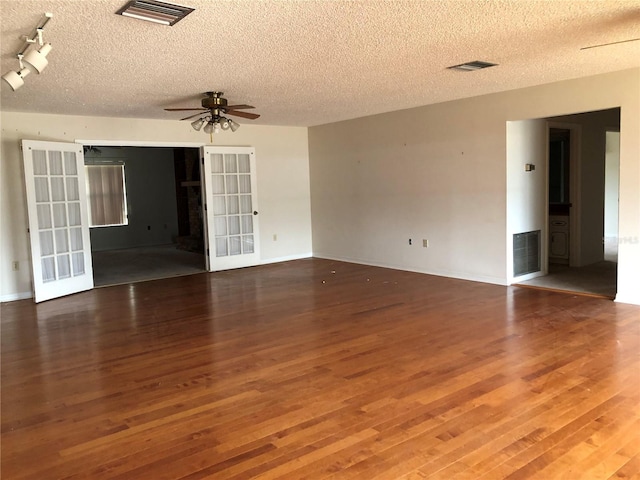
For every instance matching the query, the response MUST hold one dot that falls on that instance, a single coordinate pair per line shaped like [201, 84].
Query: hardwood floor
[314, 369]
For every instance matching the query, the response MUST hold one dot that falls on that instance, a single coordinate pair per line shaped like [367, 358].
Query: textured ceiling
[308, 62]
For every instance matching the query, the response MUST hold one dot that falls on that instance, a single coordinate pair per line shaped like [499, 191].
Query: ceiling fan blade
[183, 109]
[191, 116]
[238, 107]
[250, 116]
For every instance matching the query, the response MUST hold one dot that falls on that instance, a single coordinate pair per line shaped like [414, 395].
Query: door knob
[255, 212]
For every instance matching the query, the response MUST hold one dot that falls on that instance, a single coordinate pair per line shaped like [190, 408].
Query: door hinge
[205, 207]
[202, 159]
[207, 252]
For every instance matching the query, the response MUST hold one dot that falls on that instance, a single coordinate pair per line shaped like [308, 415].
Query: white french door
[229, 190]
[58, 219]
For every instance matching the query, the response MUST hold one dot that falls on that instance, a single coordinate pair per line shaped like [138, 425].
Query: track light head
[37, 59]
[16, 79]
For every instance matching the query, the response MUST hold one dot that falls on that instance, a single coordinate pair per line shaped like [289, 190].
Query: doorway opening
[163, 232]
[581, 204]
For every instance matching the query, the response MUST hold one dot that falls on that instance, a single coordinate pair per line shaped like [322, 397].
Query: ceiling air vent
[471, 66]
[153, 11]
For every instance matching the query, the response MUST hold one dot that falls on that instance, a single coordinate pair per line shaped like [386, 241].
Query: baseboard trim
[12, 297]
[288, 258]
[437, 273]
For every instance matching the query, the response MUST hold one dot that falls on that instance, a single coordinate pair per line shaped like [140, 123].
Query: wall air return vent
[471, 66]
[526, 253]
[154, 11]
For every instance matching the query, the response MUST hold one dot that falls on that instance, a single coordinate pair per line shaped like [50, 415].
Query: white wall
[440, 172]
[282, 172]
[526, 190]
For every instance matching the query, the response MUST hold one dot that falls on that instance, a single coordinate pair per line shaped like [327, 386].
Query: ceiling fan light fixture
[233, 125]
[208, 128]
[37, 59]
[224, 123]
[16, 79]
[198, 124]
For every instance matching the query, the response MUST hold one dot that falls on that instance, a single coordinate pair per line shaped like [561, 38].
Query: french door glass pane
[235, 247]
[44, 216]
[217, 165]
[62, 244]
[72, 188]
[243, 163]
[39, 162]
[57, 189]
[247, 244]
[75, 236]
[64, 267]
[234, 207]
[48, 269]
[247, 224]
[219, 206]
[234, 225]
[77, 260]
[245, 204]
[42, 189]
[59, 215]
[46, 243]
[232, 184]
[70, 163]
[230, 163]
[74, 214]
[245, 183]
[221, 247]
[55, 163]
[220, 225]
[217, 184]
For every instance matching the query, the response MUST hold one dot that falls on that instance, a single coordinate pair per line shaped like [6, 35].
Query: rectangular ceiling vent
[471, 66]
[154, 11]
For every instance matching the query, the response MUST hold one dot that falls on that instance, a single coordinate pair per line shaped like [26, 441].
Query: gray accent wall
[151, 200]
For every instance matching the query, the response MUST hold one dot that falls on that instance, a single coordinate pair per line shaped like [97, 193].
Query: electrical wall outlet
[425, 243]
[275, 237]
[15, 265]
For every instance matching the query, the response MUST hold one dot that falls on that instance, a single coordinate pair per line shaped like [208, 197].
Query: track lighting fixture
[35, 60]
[16, 79]
[38, 58]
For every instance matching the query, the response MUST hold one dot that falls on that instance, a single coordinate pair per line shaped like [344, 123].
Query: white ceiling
[308, 62]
